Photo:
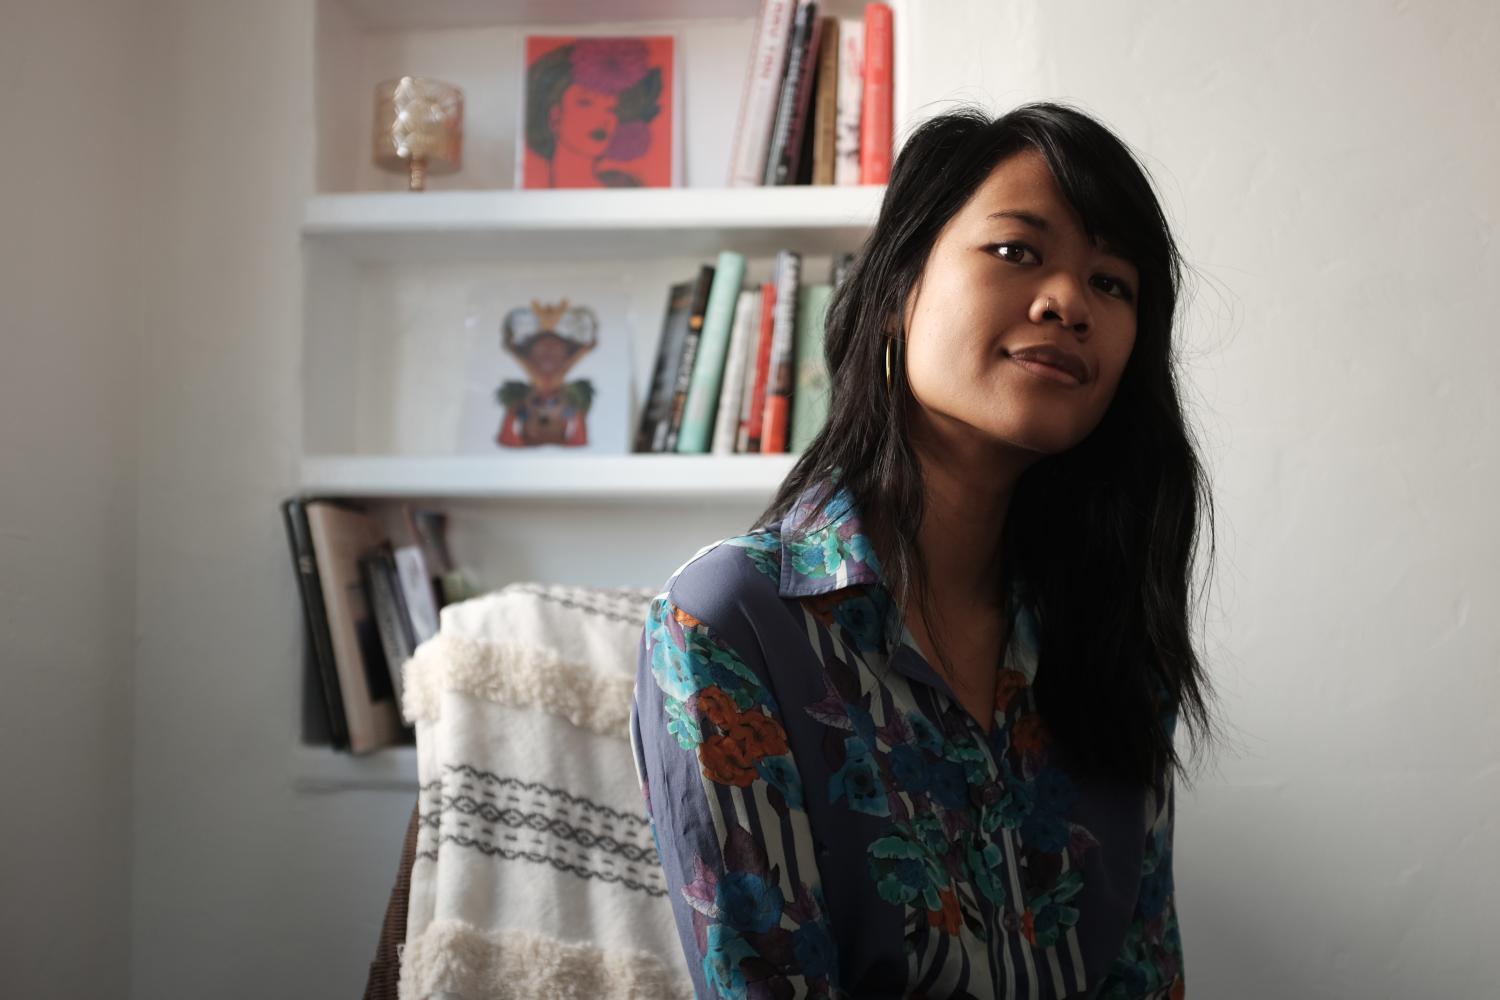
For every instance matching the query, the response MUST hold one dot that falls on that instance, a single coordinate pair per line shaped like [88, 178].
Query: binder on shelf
[319, 644]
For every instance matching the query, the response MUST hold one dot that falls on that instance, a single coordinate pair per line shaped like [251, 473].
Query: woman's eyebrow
[1040, 223]
[1030, 218]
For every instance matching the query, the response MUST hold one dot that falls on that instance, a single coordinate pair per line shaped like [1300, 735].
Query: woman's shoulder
[729, 583]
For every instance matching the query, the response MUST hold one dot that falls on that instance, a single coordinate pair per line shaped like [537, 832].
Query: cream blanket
[536, 873]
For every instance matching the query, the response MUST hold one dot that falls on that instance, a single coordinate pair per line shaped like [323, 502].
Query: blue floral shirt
[832, 822]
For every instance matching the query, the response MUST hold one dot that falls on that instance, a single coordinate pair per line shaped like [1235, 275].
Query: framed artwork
[600, 111]
[550, 367]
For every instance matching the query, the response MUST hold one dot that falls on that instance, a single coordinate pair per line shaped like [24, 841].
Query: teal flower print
[899, 868]
[721, 960]
[782, 775]
[764, 551]
[858, 781]
[813, 945]
[749, 902]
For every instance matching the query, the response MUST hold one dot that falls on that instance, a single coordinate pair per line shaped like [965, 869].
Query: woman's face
[584, 120]
[984, 295]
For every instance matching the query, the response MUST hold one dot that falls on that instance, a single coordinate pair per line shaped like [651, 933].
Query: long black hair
[1103, 536]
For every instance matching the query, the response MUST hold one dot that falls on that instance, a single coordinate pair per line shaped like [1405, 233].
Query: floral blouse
[832, 822]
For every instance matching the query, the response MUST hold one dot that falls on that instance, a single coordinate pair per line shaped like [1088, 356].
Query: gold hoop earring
[888, 344]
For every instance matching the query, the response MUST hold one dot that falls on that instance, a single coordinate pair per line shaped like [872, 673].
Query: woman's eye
[1019, 248]
[1122, 289]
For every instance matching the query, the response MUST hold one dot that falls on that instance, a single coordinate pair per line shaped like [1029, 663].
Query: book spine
[372, 572]
[762, 366]
[779, 378]
[826, 94]
[752, 353]
[762, 89]
[783, 152]
[657, 410]
[304, 560]
[727, 423]
[708, 366]
[689, 354]
[875, 114]
[810, 394]
[850, 100]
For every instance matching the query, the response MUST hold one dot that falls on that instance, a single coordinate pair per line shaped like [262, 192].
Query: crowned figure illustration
[547, 341]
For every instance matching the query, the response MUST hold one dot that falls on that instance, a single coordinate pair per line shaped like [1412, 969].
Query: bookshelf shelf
[626, 479]
[319, 770]
[508, 225]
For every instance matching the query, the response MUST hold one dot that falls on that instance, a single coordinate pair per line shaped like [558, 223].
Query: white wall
[70, 332]
[1330, 171]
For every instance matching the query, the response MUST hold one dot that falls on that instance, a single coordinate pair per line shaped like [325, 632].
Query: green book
[713, 348]
[810, 385]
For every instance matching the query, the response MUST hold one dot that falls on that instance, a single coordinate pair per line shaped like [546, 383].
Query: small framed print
[550, 366]
[600, 111]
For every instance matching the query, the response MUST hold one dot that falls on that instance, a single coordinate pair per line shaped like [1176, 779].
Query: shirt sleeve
[1150, 962]
[725, 802]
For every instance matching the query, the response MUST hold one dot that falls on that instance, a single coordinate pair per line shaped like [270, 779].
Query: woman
[912, 734]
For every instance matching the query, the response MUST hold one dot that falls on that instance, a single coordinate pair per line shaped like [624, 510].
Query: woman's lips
[1050, 365]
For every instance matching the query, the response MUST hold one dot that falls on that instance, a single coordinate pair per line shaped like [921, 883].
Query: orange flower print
[1011, 682]
[1029, 733]
[715, 703]
[948, 919]
[1028, 928]
[725, 761]
[1179, 989]
[759, 734]
[729, 757]
[687, 620]
[822, 605]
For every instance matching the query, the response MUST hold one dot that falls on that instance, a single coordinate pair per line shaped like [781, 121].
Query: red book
[762, 367]
[779, 384]
[875, 114]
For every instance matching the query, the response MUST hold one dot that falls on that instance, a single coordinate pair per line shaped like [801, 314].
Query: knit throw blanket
[536, 873]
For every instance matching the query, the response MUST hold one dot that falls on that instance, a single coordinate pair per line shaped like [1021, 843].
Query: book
[377, 569]
[749, 441]
[875, 109]
[727, 424]
[696, 316]
[810, 388]
[708, 366]
[825, 103]
[777, 417]
[761, 93]
[656, 414]
[319, 645]
[341, 533]
[415, 582]
[850, 100]
[786, 134]
[752, 354]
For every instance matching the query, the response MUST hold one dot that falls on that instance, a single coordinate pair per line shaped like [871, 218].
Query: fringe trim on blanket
[518, 676]
[456, 957]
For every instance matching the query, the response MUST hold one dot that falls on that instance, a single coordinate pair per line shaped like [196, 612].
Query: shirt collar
[838, 552]
[834, 554]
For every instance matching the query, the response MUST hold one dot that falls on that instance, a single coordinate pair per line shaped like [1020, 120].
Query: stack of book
[816, 104]
[367, 604]
[740, 370]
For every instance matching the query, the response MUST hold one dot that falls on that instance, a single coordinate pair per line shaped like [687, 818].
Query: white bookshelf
[379, 351]
[602, 478]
